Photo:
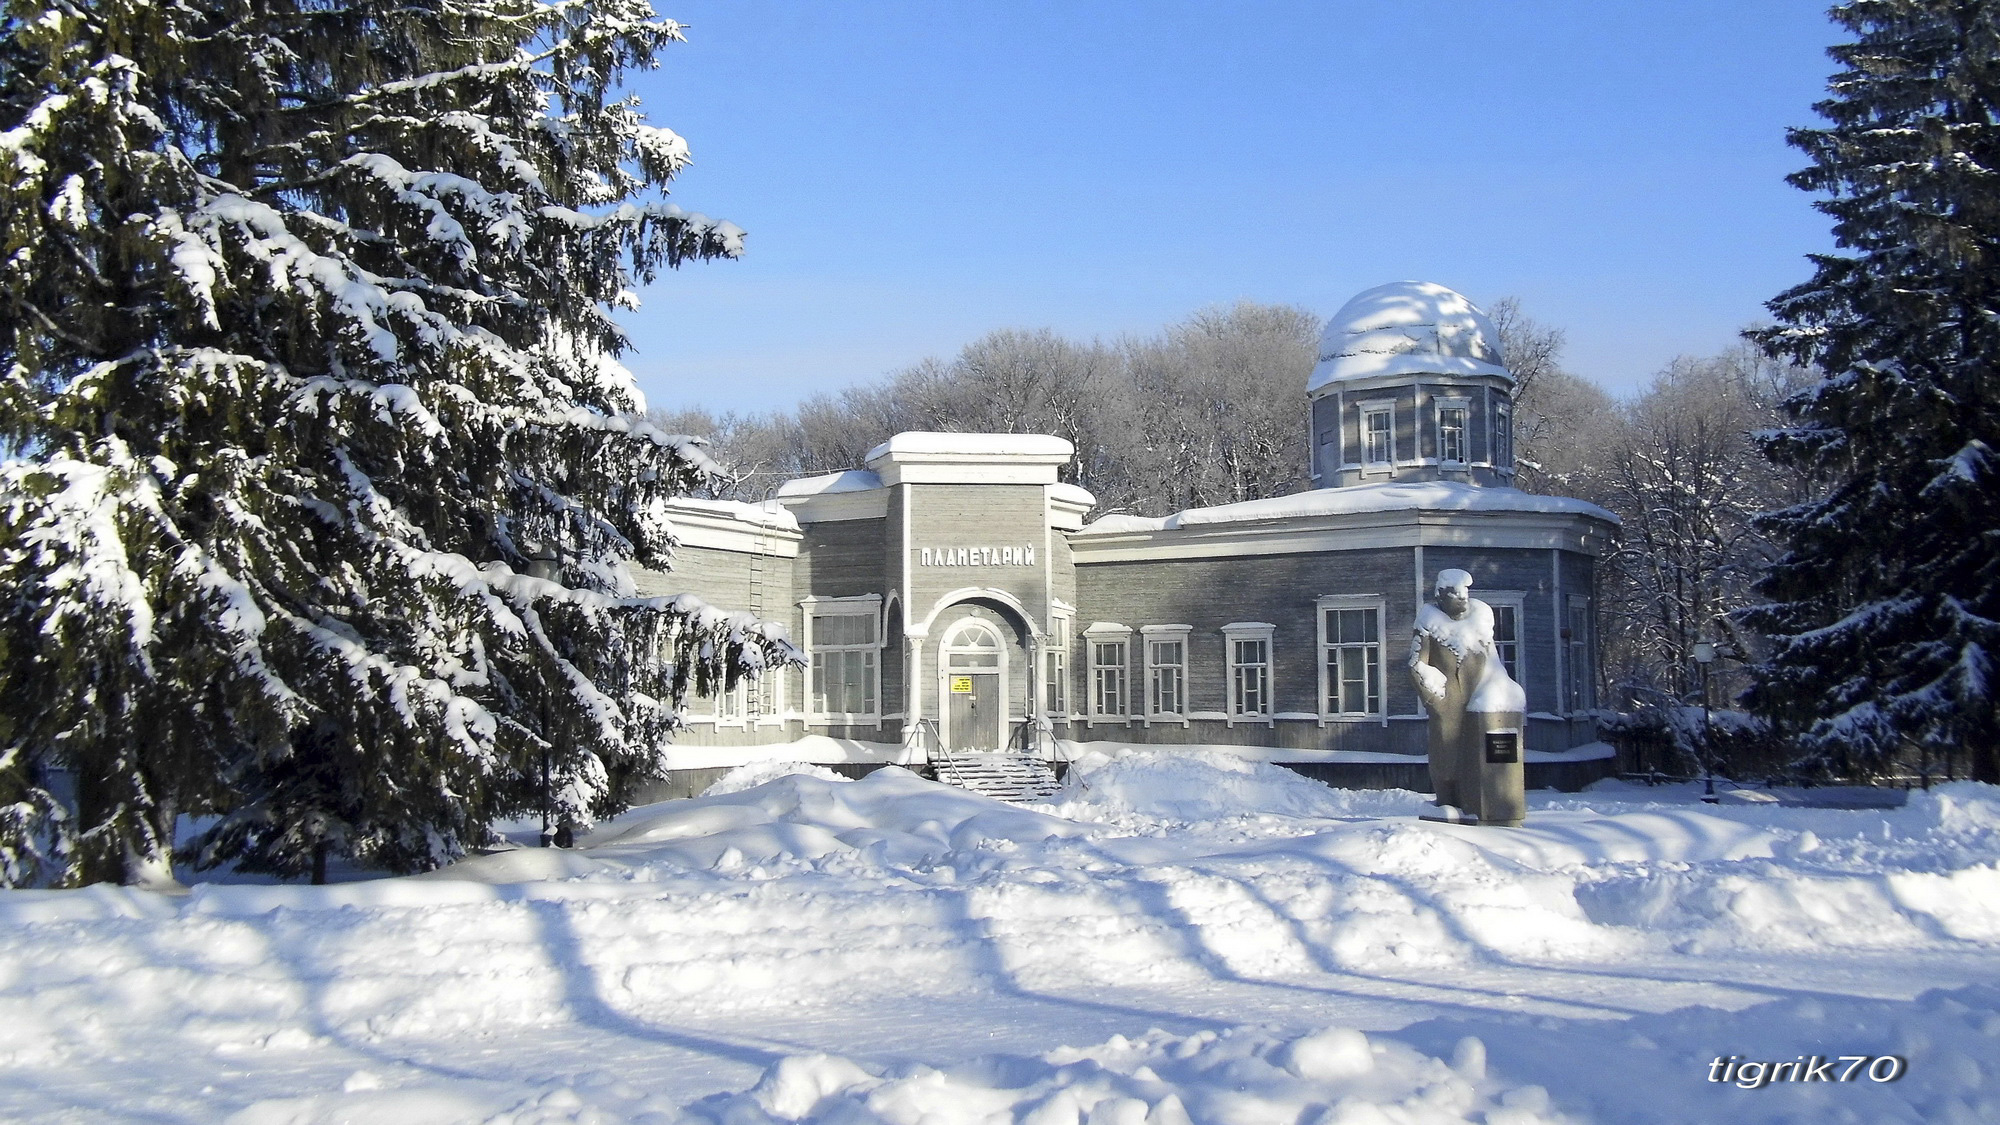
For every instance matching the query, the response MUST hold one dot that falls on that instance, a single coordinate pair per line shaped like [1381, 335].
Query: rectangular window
[844, 651]
[729, 704]
[1451, 433]
[1376, 437]
[1351, 639]
[1507, 636]
[1578, 638]
[1250, 677]
[1055, 668]
[1107, 679]
[764, 695]
[1166, 676]
[1503, 438]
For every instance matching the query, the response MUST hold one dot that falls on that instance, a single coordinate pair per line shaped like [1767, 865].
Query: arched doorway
[972, 681]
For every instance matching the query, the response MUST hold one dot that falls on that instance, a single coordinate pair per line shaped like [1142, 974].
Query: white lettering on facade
[976, 556]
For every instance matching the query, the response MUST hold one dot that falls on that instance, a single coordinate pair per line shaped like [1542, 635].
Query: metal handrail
[915, 738]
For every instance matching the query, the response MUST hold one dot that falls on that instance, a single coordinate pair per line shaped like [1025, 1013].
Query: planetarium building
[954, 598]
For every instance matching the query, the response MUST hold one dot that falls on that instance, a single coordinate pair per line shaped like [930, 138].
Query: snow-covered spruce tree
[323, 473]
[1885, 610]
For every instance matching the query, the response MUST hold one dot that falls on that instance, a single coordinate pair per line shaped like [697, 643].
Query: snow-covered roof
[1422, 496]
[1072, 494]
[1407, 328]
[934, 444]
[851, 480]
[767, 514]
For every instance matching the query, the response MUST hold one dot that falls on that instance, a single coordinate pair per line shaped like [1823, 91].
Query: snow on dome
[1407, 328]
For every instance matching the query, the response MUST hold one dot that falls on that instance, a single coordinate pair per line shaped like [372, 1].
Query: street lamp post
[1704, 655]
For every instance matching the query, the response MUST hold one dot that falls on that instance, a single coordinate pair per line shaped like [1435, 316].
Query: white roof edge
[1419, 496]
[1343, 368]
[942, 445]
[1122, 523]
[847, 480]
[768, 514]
[1072, 494]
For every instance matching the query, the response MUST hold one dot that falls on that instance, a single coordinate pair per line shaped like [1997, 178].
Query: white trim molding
[1378, 604]
[1153, 636]
[864, 605]
[1248, 632]
[1109, 633]
[1440, 404]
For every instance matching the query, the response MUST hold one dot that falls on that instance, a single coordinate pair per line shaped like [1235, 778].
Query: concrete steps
[1004, 777]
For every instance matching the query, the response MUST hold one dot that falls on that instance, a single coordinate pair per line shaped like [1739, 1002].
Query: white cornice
[1068, 504]
[1352, 532]
[1428, 380]
[941, 458]
[718, 531]
[832, 507]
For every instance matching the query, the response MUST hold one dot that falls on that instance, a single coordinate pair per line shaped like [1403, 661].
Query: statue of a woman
[1456, 664]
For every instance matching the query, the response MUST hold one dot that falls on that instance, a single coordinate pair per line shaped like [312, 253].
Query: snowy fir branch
[1884, 610]
[309, 361]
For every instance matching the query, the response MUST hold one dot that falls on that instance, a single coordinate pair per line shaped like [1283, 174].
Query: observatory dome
[1407, 328]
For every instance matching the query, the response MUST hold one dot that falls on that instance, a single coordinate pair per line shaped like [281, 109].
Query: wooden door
[974, 711]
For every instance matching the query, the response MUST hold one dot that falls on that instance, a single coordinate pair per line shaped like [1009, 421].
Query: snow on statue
[1476, 708]
[323, 475]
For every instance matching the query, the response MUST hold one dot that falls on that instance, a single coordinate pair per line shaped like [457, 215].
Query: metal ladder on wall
[754, 697]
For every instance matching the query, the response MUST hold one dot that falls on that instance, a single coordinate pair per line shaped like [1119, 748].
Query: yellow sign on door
[961, 685]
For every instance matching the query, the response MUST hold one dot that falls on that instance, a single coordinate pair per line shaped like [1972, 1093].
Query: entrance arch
[972, 683]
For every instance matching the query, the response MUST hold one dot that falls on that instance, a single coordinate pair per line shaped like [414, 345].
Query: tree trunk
[320, 848]
[1986, 761]
[128, 838]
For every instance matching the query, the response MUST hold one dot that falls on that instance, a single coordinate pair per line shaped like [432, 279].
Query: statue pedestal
[1501, 786]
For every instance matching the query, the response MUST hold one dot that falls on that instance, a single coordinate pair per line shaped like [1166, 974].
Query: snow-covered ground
[1173, 938]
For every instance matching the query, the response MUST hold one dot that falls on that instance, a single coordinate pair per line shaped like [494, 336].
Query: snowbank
[1237, 1076]
[1652, 1069]
[1648, 1070]
[1179, 785]
[757, 773]
[793, 901]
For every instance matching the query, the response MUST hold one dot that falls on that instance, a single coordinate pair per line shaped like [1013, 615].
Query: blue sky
[915, 174]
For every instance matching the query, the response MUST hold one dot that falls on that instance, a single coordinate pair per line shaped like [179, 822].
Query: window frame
[1368, 410]
[1580, 693]
[866, 605]
[1154, 635]
[1106, 634]
[1248, 632]
[1336, 602]
[1516, 600]
[729, 706]
[1464, 407]
[1501, 453]
[1055, 665]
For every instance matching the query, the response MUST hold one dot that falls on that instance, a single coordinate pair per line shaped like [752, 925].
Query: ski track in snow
[1174, 937]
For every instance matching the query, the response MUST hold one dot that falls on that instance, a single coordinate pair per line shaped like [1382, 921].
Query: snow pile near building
[1175, 787]
[753, 774]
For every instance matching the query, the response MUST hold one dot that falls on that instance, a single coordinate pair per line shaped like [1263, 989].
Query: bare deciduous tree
[1685, 475]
